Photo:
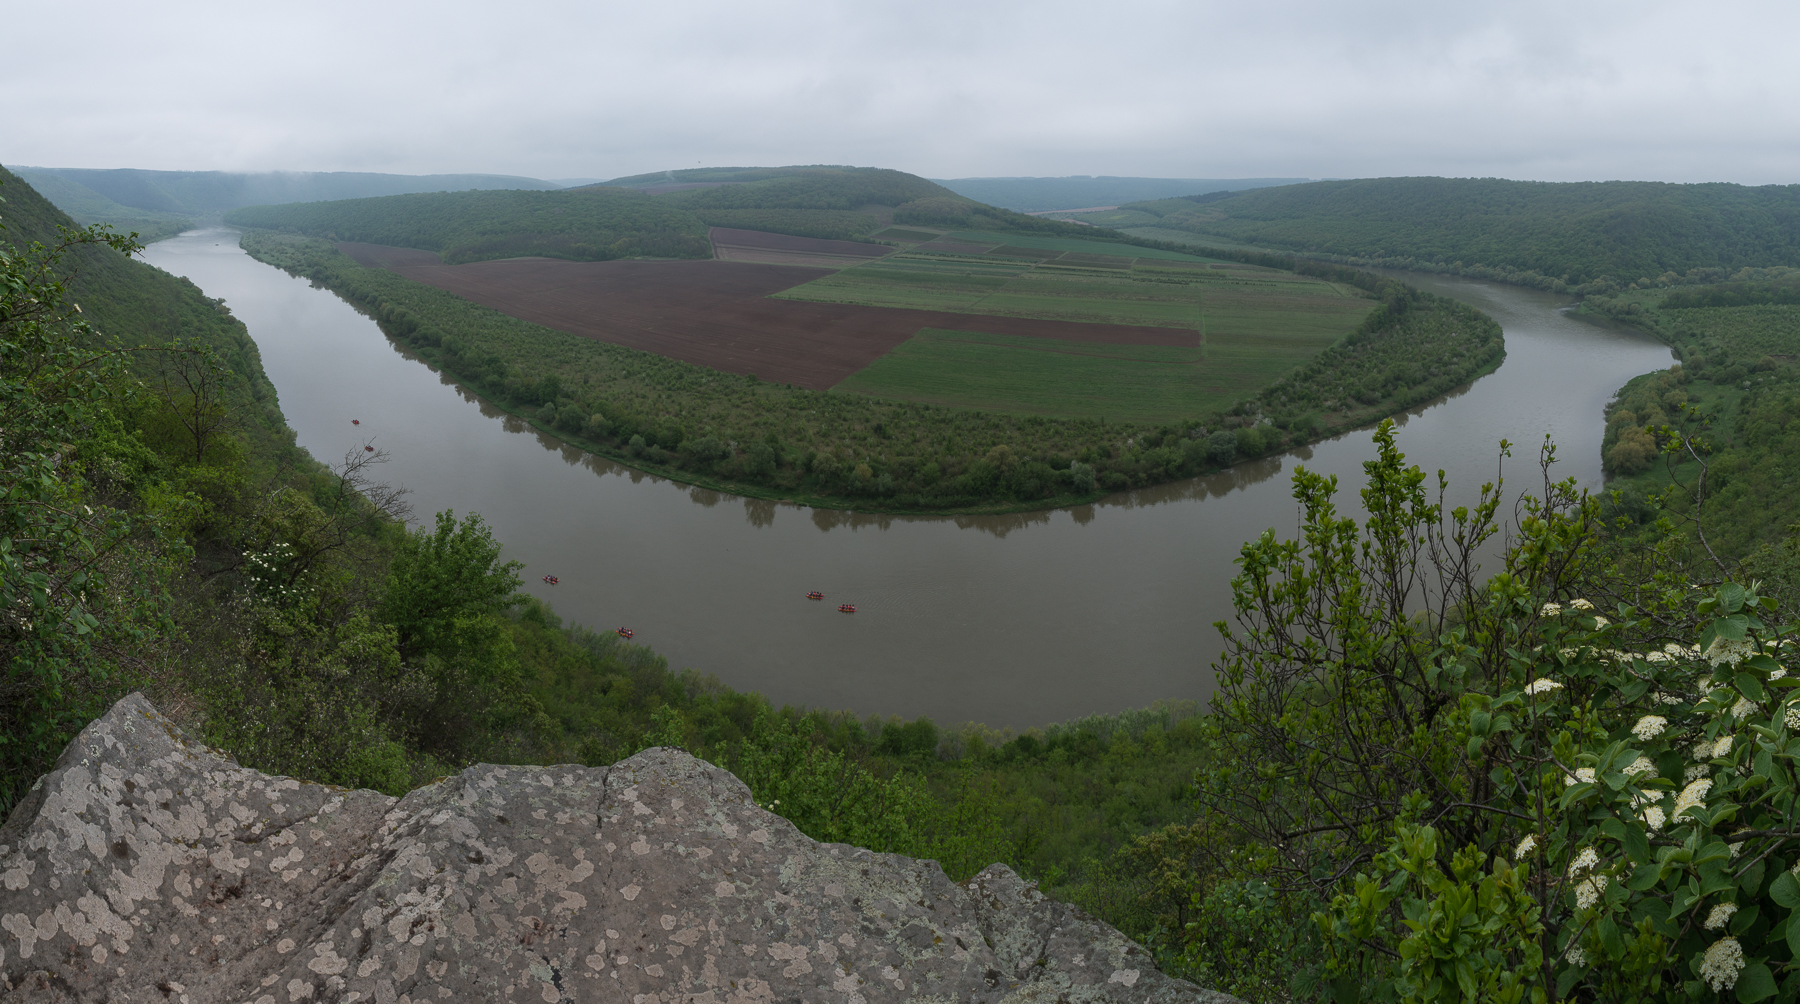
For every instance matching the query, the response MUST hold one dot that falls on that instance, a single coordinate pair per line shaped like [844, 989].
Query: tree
[447, 596]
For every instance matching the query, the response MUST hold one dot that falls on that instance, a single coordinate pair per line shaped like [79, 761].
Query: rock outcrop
[148, 868]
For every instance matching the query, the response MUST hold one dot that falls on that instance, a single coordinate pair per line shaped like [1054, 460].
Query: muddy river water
[1009, 620]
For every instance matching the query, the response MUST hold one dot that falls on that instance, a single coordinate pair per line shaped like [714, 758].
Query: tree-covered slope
[586, 224]
[137, 304]
[1572, 233]
[86, 206]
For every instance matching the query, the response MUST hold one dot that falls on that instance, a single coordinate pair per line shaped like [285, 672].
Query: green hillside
[1539, 233]
[584, 224]
[86, 206]
[136, 304]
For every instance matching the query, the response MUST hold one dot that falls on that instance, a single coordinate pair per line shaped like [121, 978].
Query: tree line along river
[1014, 620]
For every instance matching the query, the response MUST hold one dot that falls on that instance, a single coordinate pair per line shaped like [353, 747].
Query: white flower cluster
[1582, 775]
[1588, 891]
[1728, 653]
[1692, 796]
[1649, 727]
[1723, 962]
[1712, 749]
[1662, 698]
[1550, 610]
[1719, 915]
[1743, 708]
[1792, 716]
[1641, 766]
[1696, 770]
[1655, 817]
[1542, 685]
[1587, 859]
[1580, 604]
[1529, 844]
[1576, 956]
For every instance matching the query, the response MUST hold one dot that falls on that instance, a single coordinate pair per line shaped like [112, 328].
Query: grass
[1044, 376]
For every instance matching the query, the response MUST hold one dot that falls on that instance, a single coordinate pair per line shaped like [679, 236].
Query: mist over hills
[203, 193]
[1036, 195]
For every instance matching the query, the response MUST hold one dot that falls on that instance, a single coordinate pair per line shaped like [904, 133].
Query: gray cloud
[1199, 89]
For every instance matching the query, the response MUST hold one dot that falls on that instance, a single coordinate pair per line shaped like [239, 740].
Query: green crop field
[1258, 324]
[1170, 290]
[1044, 376]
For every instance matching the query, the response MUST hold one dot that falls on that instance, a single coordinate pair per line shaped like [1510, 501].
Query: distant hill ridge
[627, 217]
[203, 193]
[1036, 195]
[1588, 236]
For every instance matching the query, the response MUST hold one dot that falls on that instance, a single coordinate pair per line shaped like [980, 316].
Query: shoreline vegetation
[844, 451]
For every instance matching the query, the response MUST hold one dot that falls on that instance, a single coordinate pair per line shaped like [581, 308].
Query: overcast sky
[1551, 91]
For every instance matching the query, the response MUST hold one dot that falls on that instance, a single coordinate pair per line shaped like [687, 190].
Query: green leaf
[1742, 920]
[1637, 844]
[1762, 662]
[1732, 628]
[1785, 891]
[1631, 692]
[1755, 983]
[1751, 685]
[1643, 878]
[1609, 937]
[1793, 934]
[1731, 597]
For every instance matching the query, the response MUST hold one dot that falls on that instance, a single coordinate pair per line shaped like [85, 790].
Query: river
[1011, 621]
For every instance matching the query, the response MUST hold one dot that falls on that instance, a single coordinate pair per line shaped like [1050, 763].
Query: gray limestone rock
[148, 868]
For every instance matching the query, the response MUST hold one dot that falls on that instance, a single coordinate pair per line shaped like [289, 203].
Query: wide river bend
[1011, 620]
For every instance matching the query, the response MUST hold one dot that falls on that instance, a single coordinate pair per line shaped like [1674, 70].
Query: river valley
[1013, 620]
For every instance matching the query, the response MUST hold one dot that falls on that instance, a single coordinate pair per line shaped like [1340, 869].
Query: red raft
[551, 579]
[846, 608]
[626, 632]
[815, 595]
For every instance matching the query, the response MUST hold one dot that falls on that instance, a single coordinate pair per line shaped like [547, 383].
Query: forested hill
[1569, 233]
[135, 304]
[584, 224]
[656, 215]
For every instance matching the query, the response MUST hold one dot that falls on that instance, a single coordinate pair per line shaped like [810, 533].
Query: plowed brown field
[717, 314]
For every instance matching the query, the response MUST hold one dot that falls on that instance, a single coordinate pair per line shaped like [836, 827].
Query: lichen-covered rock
[149, 868]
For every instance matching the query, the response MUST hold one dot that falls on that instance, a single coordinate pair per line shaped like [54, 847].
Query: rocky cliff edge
[149, 868]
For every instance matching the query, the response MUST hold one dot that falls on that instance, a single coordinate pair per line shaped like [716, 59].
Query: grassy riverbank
[849, 451]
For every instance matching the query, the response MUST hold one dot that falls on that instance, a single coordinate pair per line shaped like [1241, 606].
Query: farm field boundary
[720, 314]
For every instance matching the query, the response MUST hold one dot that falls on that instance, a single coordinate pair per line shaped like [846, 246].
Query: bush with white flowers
[1501, 788]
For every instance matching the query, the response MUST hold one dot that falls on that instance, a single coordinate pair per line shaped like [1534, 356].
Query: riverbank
[845, 451]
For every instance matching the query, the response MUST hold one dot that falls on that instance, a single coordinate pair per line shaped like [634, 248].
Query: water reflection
[1013, 620]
